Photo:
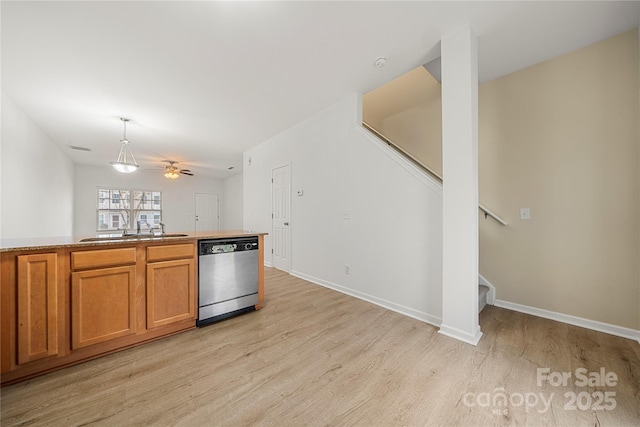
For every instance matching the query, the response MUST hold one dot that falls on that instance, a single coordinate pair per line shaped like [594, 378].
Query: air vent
[75, 147]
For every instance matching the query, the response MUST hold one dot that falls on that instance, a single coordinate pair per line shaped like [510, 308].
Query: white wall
[232, 206]
[36, 179]
[178, 195]
[460, 185]
[393, 241]
[1, 139]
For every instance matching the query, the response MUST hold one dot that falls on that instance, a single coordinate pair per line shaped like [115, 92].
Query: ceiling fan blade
[186, 172]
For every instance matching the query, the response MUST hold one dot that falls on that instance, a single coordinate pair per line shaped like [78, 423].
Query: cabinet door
[170, 292]
[103, 305]
[37, 307]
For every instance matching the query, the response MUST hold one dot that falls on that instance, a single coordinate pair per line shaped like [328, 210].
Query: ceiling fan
[171, 171]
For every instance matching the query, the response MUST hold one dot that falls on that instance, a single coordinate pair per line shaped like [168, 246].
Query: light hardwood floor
[315, 357]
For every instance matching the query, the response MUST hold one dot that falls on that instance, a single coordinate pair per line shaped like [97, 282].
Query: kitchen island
[71, 299]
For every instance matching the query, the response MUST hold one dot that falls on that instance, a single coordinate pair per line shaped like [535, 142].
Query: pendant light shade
[126, 163]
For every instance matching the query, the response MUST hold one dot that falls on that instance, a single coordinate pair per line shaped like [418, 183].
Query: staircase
[485, 293]
[483, 290]
[482, 296]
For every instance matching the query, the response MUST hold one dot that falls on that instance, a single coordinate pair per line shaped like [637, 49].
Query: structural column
[460, 187]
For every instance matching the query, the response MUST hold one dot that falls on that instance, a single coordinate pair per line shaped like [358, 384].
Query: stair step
[482, 297]
[482, 290]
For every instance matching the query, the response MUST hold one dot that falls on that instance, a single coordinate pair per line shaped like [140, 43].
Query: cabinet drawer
[167, 252]
[103, 258]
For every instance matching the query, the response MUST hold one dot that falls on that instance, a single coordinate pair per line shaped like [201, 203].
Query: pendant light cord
[124, 134]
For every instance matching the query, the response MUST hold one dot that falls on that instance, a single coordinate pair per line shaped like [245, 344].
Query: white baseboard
[619, 331]
[407, 311]
[267, 264]
[461, 335]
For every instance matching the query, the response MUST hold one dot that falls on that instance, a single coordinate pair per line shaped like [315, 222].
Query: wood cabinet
[103, 305]
[37, 307]
[170, 284]
[64, 305]
[103, 300]
[32, 311]
[73, 304]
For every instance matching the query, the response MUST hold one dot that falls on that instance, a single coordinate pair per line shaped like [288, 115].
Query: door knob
[286, 223]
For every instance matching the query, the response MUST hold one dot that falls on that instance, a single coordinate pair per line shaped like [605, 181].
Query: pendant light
[126, 162]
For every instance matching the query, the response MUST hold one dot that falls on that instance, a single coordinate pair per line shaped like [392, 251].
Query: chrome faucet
[138, 227]
[126, 232]
[162, 227]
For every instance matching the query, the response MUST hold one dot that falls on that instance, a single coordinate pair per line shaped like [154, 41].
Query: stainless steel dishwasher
[227, 278]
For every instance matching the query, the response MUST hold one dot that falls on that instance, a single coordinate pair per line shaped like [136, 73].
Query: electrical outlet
[525, 213]
[346, 215]
[347, 269]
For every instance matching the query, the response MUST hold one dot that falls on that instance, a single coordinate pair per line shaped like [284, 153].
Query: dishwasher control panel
[211, 247]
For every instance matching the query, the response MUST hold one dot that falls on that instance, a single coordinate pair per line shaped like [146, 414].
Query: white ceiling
[204, 81]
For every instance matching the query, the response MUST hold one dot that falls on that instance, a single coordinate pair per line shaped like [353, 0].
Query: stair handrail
[426, 168]
[386, 140]
[487, 213]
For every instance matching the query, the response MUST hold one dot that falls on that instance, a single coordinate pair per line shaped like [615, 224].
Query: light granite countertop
[38, 243]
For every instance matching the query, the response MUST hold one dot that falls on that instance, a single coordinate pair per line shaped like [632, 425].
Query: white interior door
[207, 212]
[281, 214]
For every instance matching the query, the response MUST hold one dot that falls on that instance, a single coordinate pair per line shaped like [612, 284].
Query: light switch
[525, 213]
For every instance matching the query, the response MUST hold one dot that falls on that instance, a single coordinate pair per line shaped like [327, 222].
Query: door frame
[290, 215]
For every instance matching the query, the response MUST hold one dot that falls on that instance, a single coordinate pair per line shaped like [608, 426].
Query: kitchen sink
[131, 237]
[106, 238]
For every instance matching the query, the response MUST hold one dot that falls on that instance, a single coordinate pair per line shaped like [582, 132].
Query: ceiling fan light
[171, 174]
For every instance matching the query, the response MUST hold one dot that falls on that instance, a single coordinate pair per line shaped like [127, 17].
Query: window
[122, 209]
[115, 221]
